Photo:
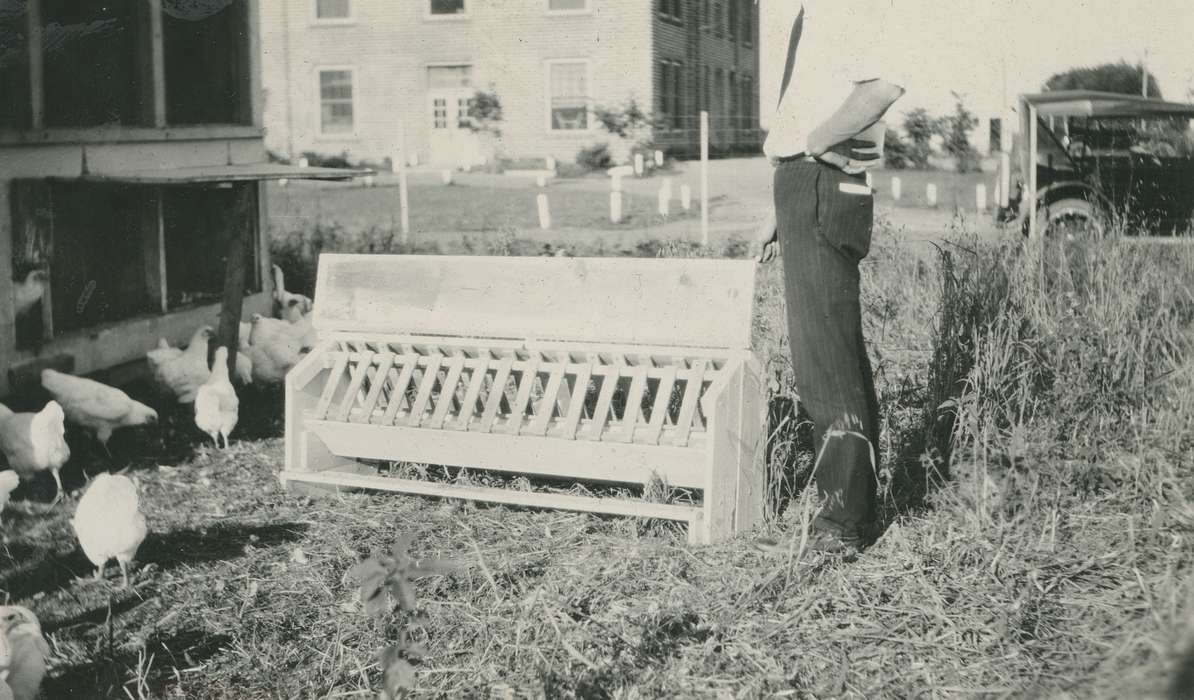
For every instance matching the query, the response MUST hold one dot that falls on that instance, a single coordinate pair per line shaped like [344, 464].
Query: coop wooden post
[704, 178]
[238, 230]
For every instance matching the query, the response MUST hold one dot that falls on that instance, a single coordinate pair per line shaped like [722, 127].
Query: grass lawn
[459, 207]
[1037, 481]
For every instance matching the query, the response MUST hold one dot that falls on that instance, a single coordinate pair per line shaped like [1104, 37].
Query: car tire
[1073, 218]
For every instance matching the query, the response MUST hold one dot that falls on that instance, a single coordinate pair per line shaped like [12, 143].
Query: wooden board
[610, 506]
[645, 301]
[596, 461]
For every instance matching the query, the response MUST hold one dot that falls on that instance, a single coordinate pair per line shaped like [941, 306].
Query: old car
[1098, 163]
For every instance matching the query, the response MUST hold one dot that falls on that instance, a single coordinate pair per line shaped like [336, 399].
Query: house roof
[223, 173]
[1092, 103]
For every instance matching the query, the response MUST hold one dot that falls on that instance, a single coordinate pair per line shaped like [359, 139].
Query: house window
[747, 101]
[95, 58]
[206, 54]
[718, 92]
[447, 8]
[732, 98]
[449, 76]
[332, 10]
[732, 20]
[463, 120]
[335, 101]
[671, 9]
[16, 107]
[439, 113]
[568, 95]
[747, 30]
[671, 78]
[718, 19]
[567, 5]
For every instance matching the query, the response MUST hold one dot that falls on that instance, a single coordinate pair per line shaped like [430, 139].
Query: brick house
[341, 75]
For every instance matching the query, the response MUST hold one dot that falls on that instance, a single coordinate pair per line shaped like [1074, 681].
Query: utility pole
[1144, 75]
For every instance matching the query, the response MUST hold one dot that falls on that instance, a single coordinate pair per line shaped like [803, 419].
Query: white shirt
[843, 42]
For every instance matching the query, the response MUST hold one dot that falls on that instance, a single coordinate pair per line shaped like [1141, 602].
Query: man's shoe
[823, 542]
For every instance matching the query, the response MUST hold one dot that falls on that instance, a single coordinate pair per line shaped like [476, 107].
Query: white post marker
[685, 197]
[446, 176]
[931, 194]
[551, 163]
[282, 182]
[659, 158]
[400, 160]
[541, 180]
[638, 164]
[615, 207]
[895, 188]
[997, 195]
[1005, 178]
[704, 177]
[544, 212]
[870, 179]
[665, 201]
[980, 196]
[369, 182]
[303, 163]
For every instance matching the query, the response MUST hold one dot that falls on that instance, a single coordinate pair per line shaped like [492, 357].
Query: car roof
[1092, 103]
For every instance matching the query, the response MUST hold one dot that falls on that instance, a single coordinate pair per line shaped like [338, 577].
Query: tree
[955, 129]
[921, 127]
[896, 151]
[1121, 77]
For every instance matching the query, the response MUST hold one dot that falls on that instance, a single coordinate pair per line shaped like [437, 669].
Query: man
[836, 89]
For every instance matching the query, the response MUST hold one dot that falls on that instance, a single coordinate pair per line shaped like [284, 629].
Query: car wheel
[1072, 219]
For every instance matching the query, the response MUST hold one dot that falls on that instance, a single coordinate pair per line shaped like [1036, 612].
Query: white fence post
[544, 212]
[980, 196]
[685, 197]
[1005, 178]
[895, 188]
[615, 199]
[658, 159]
[704, 178]
[665, 202]
[638, 164]
[931, 194]
[400, 161]
[446, 176]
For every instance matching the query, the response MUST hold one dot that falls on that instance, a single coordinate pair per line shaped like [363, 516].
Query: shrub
[595, 157]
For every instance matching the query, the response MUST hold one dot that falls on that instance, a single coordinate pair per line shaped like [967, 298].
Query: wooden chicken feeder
[575, 369]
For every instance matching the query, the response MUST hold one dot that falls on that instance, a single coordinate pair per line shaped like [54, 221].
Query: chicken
[97, 407]
[23, 652]
[244, 367]
[287, 303]
[9, 481]
[216, 405]
[264, 331]
[35, 442]
[159, 357]
[29, 291]
[274, 350]
[305, 333]
[109, 523]
[183, 374]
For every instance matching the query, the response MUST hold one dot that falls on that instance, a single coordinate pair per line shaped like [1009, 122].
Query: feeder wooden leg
[734, 474]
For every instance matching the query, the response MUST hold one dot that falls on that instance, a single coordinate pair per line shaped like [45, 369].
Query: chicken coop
[131, 170]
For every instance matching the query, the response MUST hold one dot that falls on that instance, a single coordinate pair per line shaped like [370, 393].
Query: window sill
[347, 136]
[117, 134]
[568, 13]
[447, 18]
[347, 22]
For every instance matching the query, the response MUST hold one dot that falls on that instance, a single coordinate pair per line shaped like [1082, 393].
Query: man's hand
[850, 166]
[767, 238]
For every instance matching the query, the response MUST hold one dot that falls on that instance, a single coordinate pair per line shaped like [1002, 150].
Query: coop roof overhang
[222, 173]
[1090, 103]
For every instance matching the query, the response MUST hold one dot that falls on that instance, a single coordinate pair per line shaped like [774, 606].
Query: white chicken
[29, 291]
[273, 350]
[216, 405]
[160, 356]
[184, 373]
[244, 367]
[23, 652]
[35, 442]
[97, 407]
[9, 481]
[289, 306]
[304, 332]
[109, 523]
